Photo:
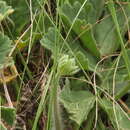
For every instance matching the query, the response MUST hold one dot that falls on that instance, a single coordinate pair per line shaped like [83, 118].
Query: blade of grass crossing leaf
[124, 52]
[75, 19]
[125, 55]
[67, 45]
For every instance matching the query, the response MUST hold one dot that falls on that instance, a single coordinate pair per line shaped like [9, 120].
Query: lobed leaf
[77, 103]
[67, 66]
[81, 26]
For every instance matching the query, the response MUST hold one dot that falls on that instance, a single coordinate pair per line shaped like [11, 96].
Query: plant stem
[42, 101]
[57, 117]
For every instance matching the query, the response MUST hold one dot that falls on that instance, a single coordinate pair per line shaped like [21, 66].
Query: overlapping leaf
[84, 59]
[121, 80]
[105, 31]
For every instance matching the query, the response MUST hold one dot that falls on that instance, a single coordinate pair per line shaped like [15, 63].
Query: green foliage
[80, 27]
[102, 35]
[8, 114]
[96, 36]
[82, 60]
[67, 66]
[87, 44]
[107, 36]
[96, 11]
[21, 15]
[5, 42]
[116, 115]
[50, 42]
[77, 103]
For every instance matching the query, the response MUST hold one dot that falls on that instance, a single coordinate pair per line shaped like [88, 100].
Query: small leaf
[77, 103]
[67, 66]
[8, 114]
[4, 10]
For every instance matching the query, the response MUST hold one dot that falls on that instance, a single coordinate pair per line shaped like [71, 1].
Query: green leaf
[80, 27]
[77, 103]
[79, 84]
[5, 47]
[124, 86]
[97, 7]
[82, 60]
[93, 9]
[21, 15]
[86, 36]
[8, 114]
[5, 10]
[116, 117]
[70, 11]
[67, 66]
[106, 34]
[85, 61]
[50, 40]
[122, 83]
